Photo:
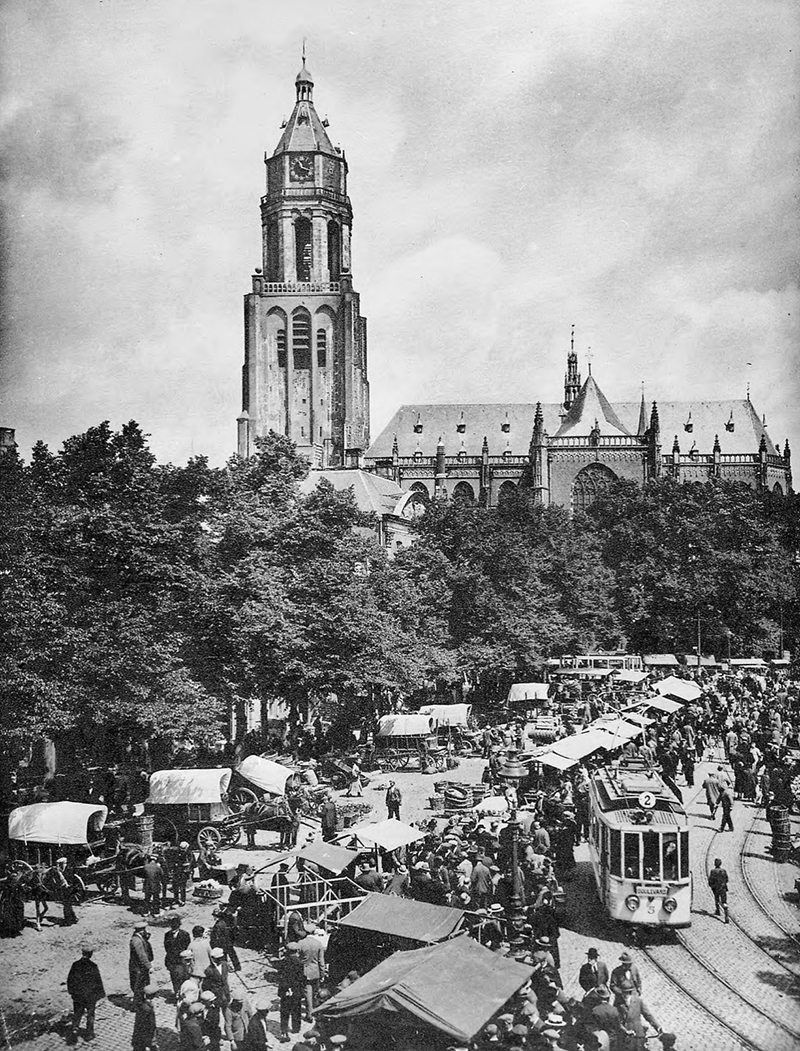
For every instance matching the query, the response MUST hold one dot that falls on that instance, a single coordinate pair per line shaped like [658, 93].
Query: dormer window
[693, 451]
[505, 426]
[730, 425]
[418, 455]
[461, 426]
[689, 426]
[418, 425]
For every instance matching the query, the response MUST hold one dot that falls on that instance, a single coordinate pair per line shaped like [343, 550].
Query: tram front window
[684, 855]
[631, 855]
[650, 860]
[615, 852]
[670, 860]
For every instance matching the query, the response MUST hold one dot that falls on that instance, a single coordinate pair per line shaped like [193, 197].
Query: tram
[639, 847]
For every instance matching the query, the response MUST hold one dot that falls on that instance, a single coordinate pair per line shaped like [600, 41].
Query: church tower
[305, 341]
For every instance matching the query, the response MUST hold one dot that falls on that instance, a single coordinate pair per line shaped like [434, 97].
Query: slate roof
[371, 492]
[590, 407]
[708, 419]
[304, 131]
[478, 421]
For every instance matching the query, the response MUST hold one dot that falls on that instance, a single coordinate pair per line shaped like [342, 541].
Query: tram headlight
[670, 905]
[632, 902]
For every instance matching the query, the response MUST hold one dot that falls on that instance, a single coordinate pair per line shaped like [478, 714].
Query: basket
[436, 803]
[478, 794]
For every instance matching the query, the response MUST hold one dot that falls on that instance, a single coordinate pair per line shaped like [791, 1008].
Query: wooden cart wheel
[231, 835]
[390, 759]
[107, 885]
[209, 838]
[21, 868]
[77, 891]
[240, 797]
[403, 760]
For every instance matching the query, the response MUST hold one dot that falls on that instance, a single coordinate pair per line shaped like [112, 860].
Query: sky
[626, 166]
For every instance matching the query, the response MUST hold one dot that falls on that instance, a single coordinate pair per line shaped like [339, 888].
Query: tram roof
[618, 790]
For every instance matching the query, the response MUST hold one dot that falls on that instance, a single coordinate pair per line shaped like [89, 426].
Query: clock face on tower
[301, 168]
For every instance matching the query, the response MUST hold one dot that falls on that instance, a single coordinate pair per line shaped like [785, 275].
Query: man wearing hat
[329, 817]
[592, 973]
[631, 1010]
[191, 1031]
[481, 883]
[176, 939]
[153, 876]
[257, 1038]
[57, 877]
[291, 988]
[140, 958]
[216, 981]
[553, 1027]
[625, 971]
[181, 870]
[602, 1015]
[211, 1025]
[189, 989]
[144, 1023]
[394, 797]
[311, 953]
[368, 876]
[85, 986]
[221, 935]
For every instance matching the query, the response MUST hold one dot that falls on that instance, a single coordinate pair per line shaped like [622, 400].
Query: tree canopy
[149, 601]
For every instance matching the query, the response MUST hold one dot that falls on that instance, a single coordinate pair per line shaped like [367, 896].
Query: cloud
[648, 151]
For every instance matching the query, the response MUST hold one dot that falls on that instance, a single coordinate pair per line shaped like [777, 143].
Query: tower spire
[572, 378]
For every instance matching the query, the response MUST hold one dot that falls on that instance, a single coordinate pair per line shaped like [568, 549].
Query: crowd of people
[463, 860]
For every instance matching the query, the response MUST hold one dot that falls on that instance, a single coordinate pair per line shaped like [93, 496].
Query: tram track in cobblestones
[731, 1006]
[745, 852]
[792, 967]
[697, 978]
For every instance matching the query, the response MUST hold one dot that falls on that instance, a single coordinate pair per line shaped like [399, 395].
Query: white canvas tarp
[389, 834]
[632, 677]
[576, 746]
[680, 689]
[265, 774]
[64, 823]
[447, 714]
[405, 725]
[188, 786]
[663, 704]
[558, 762]
[527, 691]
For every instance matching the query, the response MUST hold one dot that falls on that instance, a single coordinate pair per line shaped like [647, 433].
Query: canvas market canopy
[265, 774]
[558, 762]
[447, 714]
[63, 823]
[455, 987]
[188, 786]
[328, 856]
[576, 746]
[635, 678]
[527, 691]
[404, 918]
[680, 689]
[389, 834]
[663, 704]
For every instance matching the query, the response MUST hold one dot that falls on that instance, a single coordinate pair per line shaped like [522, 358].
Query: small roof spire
[642, 427]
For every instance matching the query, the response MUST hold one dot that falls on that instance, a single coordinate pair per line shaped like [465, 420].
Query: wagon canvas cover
[447, 714]
[63, 823]
[405, 726]
[188, 786]
[265, 774]
[455, 987]
[527, 691]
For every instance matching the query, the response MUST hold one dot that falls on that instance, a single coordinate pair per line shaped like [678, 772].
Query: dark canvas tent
[416, 920]
[455, 987]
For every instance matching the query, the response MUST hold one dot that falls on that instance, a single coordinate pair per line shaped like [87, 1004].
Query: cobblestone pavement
[38, 962]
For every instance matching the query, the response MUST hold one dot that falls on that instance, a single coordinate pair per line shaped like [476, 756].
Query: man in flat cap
[85, 986]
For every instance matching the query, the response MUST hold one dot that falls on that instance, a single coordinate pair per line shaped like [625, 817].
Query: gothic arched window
[777, 489]
[420, 487]
[334, 251]
[280, 343]
[301, 340]
[506, 492]
[273, 254]
[463, 493]
[322, 348]
[590, 484]
[302, 240]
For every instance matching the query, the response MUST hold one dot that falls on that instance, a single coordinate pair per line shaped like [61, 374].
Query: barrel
[456, 797]
[140, 830]
[478, 793]
[436, 803]
[781, 833]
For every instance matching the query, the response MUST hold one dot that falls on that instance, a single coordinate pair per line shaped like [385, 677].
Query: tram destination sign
[645, 891]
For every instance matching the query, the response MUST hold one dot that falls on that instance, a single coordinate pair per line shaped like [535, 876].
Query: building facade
[568, 453]
[305, 340]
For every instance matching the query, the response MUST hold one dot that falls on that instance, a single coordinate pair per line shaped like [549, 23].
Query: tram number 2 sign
[647, 800]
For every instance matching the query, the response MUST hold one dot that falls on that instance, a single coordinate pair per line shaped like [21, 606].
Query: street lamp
[514, 772]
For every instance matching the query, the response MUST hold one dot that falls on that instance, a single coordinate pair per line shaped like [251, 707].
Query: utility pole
[698, 636]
